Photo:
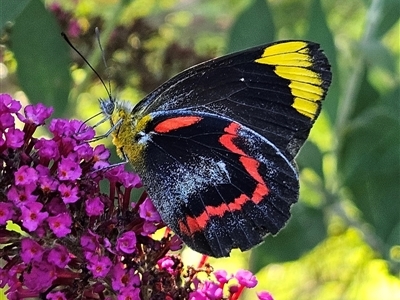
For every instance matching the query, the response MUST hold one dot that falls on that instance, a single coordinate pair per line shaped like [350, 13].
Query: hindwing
[218, 184]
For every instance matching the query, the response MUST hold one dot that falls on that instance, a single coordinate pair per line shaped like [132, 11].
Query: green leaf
[390, 16]
[306, 228]
[369, 160]
[368, 97]
[42, 57]
[253, 27]
[376, 54]
[318, 31]
[310, 156]
[10, 10]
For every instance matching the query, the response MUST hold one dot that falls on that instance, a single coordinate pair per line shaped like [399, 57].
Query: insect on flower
[215, 145]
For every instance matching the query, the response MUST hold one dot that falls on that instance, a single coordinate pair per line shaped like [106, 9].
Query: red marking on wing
[176, 123]
[197, 224]
[226, 140]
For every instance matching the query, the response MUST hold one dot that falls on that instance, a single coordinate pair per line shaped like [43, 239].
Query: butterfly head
[107, 106]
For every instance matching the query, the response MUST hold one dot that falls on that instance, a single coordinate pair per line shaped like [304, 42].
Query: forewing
[274, 89]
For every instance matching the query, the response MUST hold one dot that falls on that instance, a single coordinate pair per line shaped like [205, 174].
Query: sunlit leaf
[318, 31]
[253, 27]
[305, 229]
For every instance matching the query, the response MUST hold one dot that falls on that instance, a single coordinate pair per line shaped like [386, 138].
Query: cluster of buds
[69, 229]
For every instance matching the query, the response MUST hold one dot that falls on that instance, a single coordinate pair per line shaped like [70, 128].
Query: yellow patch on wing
[293, 61]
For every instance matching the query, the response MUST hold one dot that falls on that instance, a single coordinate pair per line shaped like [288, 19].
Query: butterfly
[215, 145]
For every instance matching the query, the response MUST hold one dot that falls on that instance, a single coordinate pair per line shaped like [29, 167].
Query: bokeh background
[343, 240]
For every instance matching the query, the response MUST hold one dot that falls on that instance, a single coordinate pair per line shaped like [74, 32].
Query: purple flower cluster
[66, 20]
[75, 239]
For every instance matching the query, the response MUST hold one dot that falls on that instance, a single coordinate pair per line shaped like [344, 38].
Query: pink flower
[56, 296]
[69, 194]
[25, 175]
[222, 276]
[264, 296]
[40, 277]
[22, 195]
[6, 212]
[69, 169]
[14, 138]
[31, 250]
[246, 278]
[99, 265]
[94, 206]
[122, 277]
[148, 212]
[32, 216]
[166, 263]
[60, 224]
[36, 114]
[59, 256]
[127, 242]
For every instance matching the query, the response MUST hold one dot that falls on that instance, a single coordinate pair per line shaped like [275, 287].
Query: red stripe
[198, 224]
[226, 140]
[176, 123]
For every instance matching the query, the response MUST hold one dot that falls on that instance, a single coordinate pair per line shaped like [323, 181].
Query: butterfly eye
[107, 106]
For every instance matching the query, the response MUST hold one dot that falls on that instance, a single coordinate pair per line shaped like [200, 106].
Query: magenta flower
[56, 296]
[246, 278]
[127, 242]
[22, 195]
[166, 263]
[40, 276]
[31, 251]
[148, 212]
[207, 290]
[264, 296]
[121, 277]
[129, 293]
[89, 242]
[59, 256]
[6, 212]
[48, 184]
[8, 104]
[94, 206]
[84, 241]
[14, 138]
[32, 216]
[47, 150]
[99, 265]
[68, 169]
[60, 224]
[69, 194]
[148, 228]
[25, 175]
[6, 121]
[222, 276]
[36, 114]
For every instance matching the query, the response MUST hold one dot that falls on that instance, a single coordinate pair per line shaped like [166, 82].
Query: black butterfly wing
[218, 184]
[274, 89]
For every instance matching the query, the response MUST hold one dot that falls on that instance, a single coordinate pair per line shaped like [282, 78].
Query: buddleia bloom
[63, 237]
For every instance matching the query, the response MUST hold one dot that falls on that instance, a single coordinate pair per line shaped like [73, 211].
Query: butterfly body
[215, 145]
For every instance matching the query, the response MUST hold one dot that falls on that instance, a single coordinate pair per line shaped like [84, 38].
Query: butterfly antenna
[86, 61]
[103, 55]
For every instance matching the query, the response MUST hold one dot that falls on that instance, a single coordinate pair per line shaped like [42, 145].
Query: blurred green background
[343, 240]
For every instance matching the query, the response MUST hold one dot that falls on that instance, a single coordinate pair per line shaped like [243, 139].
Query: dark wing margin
[274, 89]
